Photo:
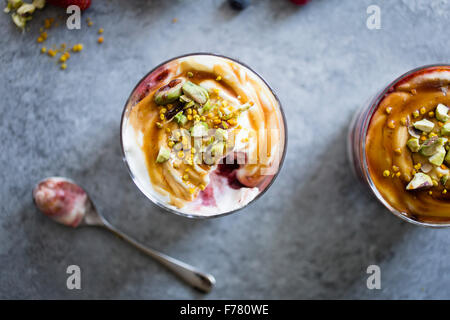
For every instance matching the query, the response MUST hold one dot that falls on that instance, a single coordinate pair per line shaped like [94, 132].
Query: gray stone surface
[312, 235]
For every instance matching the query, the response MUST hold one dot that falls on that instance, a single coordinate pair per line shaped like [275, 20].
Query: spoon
[67, 203]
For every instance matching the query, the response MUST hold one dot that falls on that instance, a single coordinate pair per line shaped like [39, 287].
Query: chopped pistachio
[26, 10]
[431, 146]
[419, 181]
[424, 125]
[185, 99]
[441, 112]
[200, 129]
[163, 155]
[413, 144]
[180, 118]
[18, 20]
[195, 92]
[438, 158]
[221, 134]
[217, 149]
[445, 130]
[39, 4]
[444, 179]
[169, 93]
[447, 158]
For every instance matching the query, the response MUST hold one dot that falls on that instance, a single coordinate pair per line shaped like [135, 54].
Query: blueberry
[239, 4]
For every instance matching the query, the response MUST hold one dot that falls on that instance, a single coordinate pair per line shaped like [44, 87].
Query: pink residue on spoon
[61, 200]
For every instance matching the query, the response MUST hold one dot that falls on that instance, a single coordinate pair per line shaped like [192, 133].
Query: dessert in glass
[203, 135]
[399, 146]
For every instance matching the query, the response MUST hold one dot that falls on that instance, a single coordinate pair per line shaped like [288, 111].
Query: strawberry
[83, 4]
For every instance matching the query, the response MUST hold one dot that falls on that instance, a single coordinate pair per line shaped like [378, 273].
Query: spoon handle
[191, 275]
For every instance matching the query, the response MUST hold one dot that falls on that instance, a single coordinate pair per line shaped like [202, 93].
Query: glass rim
[165, 206]
[373, 105]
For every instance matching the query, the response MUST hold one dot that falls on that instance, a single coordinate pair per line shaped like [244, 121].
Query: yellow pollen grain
[423, 110]
[391, 124]
[386, 173]
[388, 110]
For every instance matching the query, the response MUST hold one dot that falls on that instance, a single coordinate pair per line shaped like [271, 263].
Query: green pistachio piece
[190, 104]
[217, 149]
[12, 5]
[441, 112]
[444, 179]
[432, 145]
[18, 20]
[227, 114]
[26, 10]
[221, 134]
[447, 158]
[445, 130]
[419, 181]
[207, 107]
[213, 152]
[195, 92]
[413, 144]
[424, 125]
[245, 107]
[169, 93]
[39, 4]
[438, 158]
[185, 99]
[180, 118]
[163, 155]
[200, 129]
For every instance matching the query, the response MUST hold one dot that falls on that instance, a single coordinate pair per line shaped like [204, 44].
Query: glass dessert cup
[193, 134]
[389, 148]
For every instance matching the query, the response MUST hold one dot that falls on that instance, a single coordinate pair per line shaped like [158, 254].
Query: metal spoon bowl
[65, 202]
